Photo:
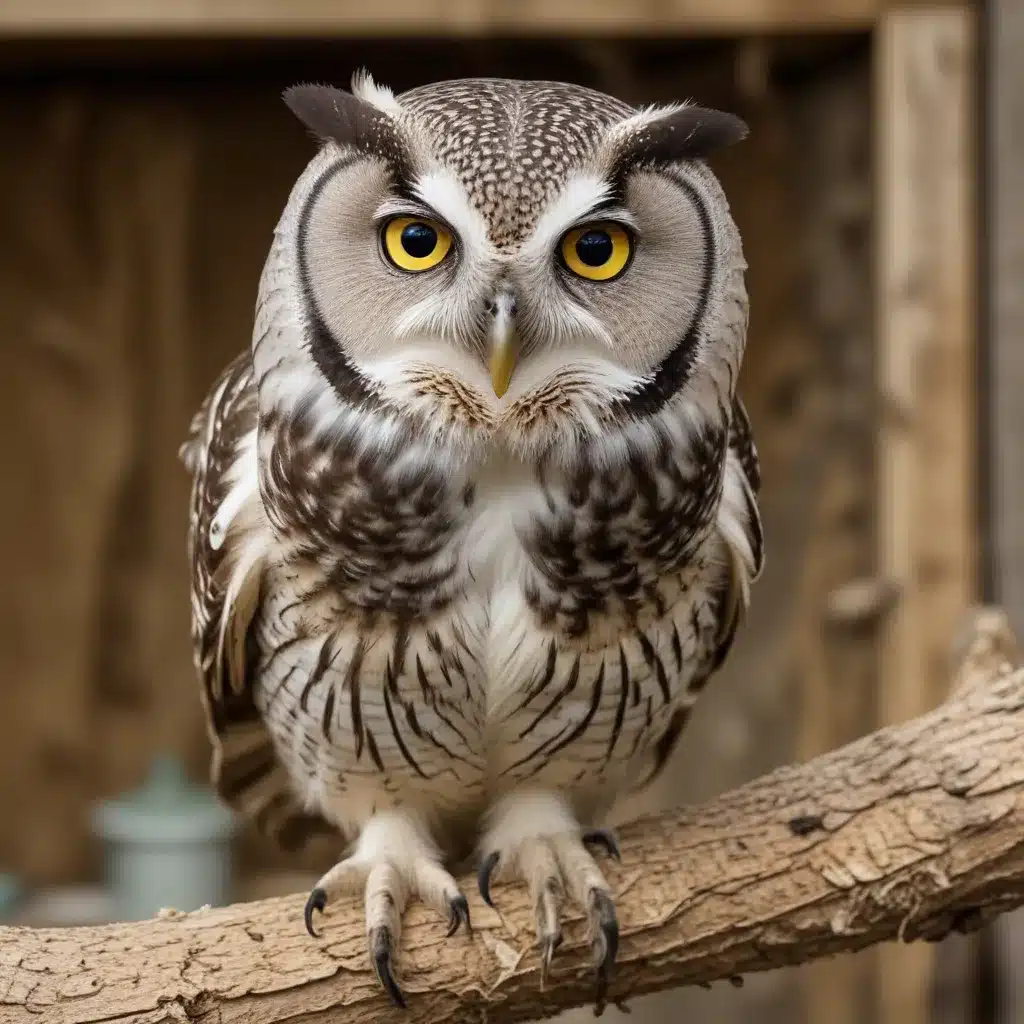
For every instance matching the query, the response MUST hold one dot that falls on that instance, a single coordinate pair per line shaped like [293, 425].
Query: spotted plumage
[469, 536]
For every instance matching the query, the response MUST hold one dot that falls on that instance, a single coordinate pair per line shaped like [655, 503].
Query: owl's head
[531, 263]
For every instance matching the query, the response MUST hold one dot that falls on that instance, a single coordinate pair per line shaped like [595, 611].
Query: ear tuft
[328, 113]
[336, 116]
[686, 133]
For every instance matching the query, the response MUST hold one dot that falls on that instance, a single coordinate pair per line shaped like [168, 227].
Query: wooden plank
[281, 18]
[140, 709]
[1005, 316]
[926, 375]
[834, 649]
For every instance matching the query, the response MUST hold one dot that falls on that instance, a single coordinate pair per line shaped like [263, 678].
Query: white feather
[244, 486]
[733, 527]
[379, 96]
[527, 812]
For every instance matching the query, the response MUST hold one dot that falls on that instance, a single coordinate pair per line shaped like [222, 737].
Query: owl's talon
[458, 914]
[381, 947]
[604, 929]
[393, 862]
[605, 839]
[549, 944]
[483, 876]
[317, 901]
[541, 844]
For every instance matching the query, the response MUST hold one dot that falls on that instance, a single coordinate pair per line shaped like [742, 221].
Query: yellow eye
[598, 252]
[415, 244]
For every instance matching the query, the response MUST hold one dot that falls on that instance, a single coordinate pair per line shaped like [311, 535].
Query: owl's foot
[393, 860]
[553, 866]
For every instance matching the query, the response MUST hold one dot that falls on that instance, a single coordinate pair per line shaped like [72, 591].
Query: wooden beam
[926, 373]
[334, 18]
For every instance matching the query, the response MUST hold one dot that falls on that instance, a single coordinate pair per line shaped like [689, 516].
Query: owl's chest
[409, 532]
[477, 628]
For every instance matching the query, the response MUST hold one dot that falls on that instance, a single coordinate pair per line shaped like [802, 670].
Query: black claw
[317, 901]
[605, 838]
[483, 876]
[458, 913]
[606, 944]
[380, 954]
[549, 944]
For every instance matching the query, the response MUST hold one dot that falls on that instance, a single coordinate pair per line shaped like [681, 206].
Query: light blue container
[10, 895]
[168, 844]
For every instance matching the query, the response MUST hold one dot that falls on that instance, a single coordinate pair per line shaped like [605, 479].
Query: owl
[474, 519]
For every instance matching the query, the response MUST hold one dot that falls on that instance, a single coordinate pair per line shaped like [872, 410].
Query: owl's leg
[394, 858]
[535, 838]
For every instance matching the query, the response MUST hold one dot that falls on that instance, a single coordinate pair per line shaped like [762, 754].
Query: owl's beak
[504, 344]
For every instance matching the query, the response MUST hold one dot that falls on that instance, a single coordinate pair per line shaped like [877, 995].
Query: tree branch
[909, 833]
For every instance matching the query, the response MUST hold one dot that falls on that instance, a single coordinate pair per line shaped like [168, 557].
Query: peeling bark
[909, 833]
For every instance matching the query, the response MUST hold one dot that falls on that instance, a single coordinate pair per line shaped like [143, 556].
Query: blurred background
[145, 156]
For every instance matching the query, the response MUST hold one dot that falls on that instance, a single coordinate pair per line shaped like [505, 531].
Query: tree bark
[908, 833]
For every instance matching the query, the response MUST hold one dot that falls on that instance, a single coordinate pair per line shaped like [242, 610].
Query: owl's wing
[228, 539]
[739, 526]
[739, 523]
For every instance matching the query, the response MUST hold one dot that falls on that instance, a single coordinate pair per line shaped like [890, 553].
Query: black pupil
[419, 240]
[594, 248]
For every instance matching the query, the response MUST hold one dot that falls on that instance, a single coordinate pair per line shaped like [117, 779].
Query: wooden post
[838, 611]
[1004, 301]
[926, 373]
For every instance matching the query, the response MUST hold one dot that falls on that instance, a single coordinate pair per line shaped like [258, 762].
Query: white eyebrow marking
[582, 192]
[442, 191]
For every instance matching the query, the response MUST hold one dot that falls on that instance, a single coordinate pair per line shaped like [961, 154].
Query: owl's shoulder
[229, 540]
[226, 413]
[741, 444]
